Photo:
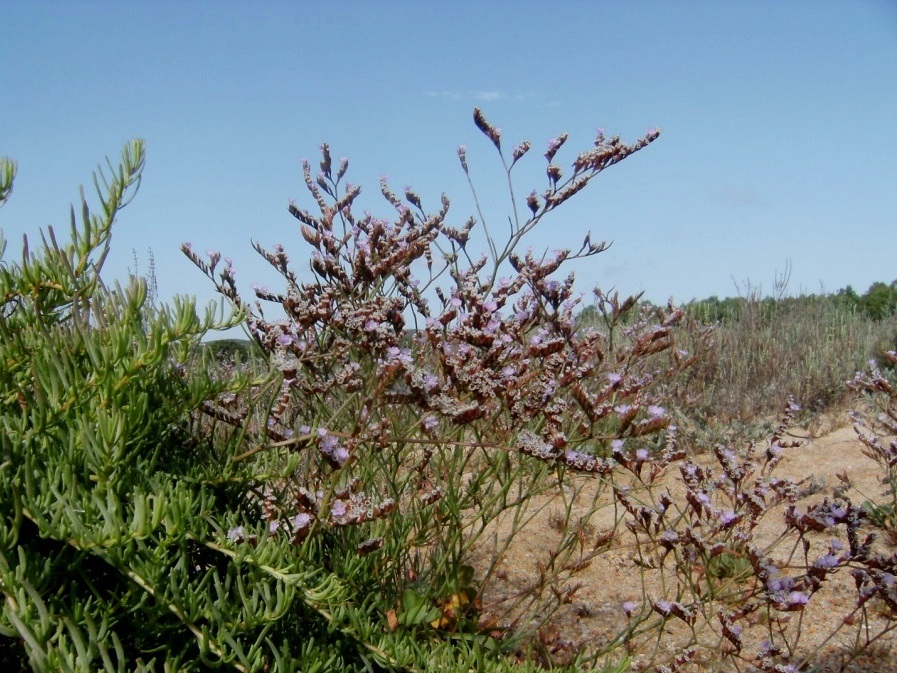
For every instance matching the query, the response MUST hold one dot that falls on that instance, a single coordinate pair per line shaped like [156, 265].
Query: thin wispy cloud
[740, 196]
[445, 95]
[490, 95]
[481, 96]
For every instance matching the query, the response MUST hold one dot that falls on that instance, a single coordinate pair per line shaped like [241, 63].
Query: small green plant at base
[729, 566]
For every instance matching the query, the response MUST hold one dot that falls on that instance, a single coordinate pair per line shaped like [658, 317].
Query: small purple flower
[490, 306]
[798, 599]
[629, 607]
[655, 411]
[236, 534]
[826, 562]
[340, 455]
[371, 325]
[641, 454]
[663, 607]
[575, 456]
[775, 584]
[338, 509]
[300, 521]
[728, 518]
[285, 339]
[430, 422]
[396, 354]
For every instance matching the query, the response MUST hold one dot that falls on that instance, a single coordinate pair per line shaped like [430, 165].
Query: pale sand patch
[595, 615]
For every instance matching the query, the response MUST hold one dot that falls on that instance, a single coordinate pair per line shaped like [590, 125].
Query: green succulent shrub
[106, 496]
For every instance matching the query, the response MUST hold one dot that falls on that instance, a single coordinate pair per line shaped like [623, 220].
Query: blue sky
[778, 119]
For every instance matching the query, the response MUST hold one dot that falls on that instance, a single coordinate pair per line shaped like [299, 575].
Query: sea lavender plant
[411, 413]
[724, 591]
[877, 430]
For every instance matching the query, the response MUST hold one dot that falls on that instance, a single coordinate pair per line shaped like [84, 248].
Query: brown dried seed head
[488, 130]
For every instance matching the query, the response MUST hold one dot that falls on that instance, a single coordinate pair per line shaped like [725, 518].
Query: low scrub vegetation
[345, 492]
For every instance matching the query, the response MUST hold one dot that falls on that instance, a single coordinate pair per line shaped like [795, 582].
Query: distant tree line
[879, 302]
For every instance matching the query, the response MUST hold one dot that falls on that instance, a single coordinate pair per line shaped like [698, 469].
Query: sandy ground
[594, 614]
